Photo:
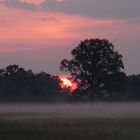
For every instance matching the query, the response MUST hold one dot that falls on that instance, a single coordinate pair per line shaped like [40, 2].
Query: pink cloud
[36, 2]
[23, 29]
[39, 27]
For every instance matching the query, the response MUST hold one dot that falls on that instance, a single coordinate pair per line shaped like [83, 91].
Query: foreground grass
[96, 129]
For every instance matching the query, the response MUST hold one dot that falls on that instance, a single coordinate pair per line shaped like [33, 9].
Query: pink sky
[27, 28]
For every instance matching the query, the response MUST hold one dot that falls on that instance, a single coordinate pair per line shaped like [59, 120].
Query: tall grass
[90, 129]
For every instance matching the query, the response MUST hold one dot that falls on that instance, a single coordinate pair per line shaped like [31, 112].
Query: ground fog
[69, 111]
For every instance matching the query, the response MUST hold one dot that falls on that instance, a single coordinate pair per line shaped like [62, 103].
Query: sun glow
[67, 84]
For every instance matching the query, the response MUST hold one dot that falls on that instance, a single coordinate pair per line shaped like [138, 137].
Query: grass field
[102, 129]
[30, 122]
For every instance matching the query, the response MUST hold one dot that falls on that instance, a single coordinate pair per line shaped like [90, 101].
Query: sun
[67, 84]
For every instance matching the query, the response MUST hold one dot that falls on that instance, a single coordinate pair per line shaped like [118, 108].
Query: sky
[38, 34]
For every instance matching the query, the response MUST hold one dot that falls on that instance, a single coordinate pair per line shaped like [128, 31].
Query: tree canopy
[94, 65]
[18, 84]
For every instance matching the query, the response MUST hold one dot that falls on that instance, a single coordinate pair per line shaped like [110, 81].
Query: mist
[69, 111]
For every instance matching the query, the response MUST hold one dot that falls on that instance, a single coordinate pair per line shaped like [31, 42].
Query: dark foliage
[96, 66]
[133, 87]
[17, 84]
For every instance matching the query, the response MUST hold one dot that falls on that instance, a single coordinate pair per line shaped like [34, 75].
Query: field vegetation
[95, 129]
[100, 121]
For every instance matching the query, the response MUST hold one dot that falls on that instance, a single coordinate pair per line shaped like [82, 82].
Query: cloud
[49, 19]
[111, 9]
[96, 8]
[133, 20]
[60, 0]
[18, 4]
[35, 2]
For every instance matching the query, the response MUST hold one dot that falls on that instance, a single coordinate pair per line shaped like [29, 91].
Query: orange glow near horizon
[68, 84]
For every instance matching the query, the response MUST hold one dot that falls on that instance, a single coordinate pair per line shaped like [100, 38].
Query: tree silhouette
[133, 87]
[93, 65]
[18, 84]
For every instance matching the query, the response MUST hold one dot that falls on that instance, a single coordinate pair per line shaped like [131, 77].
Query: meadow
[97, 121]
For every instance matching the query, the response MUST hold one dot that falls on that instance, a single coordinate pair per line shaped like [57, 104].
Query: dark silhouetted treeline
[133, 87]
[127, 89]
[20, 85]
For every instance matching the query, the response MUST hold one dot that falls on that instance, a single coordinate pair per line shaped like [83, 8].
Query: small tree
[93, 65]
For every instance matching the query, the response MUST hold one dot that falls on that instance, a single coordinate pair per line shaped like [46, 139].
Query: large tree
[93, 65]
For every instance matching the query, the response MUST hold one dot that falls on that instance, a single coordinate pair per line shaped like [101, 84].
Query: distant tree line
[18, 84]
[132, 88]
[127, 90]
